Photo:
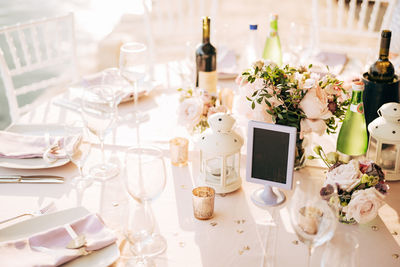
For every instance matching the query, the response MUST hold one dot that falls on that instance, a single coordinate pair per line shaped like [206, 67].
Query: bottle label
[359, 108]
[208, 81]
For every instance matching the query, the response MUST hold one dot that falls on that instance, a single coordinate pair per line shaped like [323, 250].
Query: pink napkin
[20, 146]
[49, 248]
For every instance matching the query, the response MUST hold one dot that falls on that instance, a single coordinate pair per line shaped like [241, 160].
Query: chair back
[35, 57]
[351, 19]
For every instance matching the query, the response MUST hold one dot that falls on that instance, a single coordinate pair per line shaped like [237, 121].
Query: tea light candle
[179, 151]
[203, 202]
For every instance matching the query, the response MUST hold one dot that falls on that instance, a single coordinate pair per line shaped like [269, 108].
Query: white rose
[190, 111]
[346, 175]
[315, 104]
[364, 205]
[308, 126]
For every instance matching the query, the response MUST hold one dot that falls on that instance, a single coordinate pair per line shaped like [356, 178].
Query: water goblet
[133, 66]
[313, 220]
[145, 180]
[98, 113]
[341, 251]
[77, 149]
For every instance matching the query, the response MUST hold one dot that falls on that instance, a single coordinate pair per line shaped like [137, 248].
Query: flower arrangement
[360, 187]
[294, 97]
[196, 107]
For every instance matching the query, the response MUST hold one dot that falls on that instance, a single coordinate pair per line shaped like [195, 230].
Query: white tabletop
[221, 241]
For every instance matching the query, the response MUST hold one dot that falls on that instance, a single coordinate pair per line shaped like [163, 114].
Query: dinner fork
[46, 209]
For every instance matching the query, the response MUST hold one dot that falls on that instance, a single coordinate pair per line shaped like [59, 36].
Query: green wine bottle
[272, 48]
[382, 71]
[353, 139]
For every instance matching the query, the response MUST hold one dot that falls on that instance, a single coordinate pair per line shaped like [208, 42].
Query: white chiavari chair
[36, 60]
[349, 20]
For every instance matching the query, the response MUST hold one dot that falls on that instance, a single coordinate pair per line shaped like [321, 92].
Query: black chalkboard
[270, 155]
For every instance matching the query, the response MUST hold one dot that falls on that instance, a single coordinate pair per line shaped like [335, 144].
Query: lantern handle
[379, 112]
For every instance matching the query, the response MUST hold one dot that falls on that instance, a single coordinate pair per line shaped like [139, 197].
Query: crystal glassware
[98, 113]
[313, 220]
[341, 251]
[134, 66]
[145, 179]
[77, 150]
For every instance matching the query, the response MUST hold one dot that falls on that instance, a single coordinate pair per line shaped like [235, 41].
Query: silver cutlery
[46, 209]
[32, 179]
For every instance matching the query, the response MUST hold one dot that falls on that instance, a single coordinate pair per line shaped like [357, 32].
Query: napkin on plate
[20, 146]
[58, 245]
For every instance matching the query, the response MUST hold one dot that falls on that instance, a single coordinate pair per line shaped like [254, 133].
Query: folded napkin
[58, 245]
[20, 146]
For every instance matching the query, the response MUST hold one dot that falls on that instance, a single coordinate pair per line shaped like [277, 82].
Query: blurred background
[172, 28]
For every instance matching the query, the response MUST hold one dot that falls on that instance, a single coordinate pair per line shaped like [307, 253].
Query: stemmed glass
[313, 220]
[133, 65]
[98, 113]
[145, 180]
[77, 149]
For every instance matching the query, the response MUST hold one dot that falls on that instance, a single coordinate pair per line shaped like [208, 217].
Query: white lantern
[384, 140]
[220, 154]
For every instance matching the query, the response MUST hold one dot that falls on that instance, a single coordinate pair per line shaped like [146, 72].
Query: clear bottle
[353, 139]
[272, 48]
[206, 61]
[382, 71]
[252, 50]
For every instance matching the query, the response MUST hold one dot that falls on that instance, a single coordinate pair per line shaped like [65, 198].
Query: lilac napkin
[20, 146]
[50, 248]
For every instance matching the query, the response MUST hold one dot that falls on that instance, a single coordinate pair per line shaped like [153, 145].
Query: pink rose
[364, 205]
[309, 125]
[315, 104]
[190, 112]
[346, 175]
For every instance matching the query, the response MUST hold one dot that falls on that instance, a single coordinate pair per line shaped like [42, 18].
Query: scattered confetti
[239, 231]
[115, 204]
[374, 228]
[395, 233]
[239, 221]
[246, 248]
[240, 252]
[222, 195]
[395, 256]
[243, 221]
[295, 242]
[213, 223]
[183, 186]
[182, 244]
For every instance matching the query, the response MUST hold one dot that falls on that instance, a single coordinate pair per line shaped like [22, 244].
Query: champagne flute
[145, 180]
[313, 220]
[133, 65]
[77, 149]
[98, 113]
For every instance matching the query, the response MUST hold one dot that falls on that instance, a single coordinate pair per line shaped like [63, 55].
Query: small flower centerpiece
[195, 107]
[294, 97]
[359, 185]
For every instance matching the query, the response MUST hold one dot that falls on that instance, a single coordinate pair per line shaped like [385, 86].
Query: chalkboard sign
[270, 154]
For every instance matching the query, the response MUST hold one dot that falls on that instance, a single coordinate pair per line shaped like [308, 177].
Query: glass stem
[310, 251]
[103, 157]
[148, 213]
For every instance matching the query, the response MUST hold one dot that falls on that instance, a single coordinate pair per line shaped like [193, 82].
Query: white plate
[33, 163]
[103, 257]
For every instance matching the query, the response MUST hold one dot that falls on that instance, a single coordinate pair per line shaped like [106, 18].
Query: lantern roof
[387, 126]
[220, 139]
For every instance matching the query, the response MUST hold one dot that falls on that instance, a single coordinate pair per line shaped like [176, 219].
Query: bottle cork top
[358, 86]
[386, 34]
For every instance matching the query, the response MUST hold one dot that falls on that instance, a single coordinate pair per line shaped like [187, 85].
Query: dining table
[239, 234]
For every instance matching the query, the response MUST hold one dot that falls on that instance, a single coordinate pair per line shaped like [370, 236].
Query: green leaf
[259, 100]
[248, 98]
[253, 105]
[254, 94]
[310, 66]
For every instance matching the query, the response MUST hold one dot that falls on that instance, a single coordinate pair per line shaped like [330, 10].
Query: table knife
[32, 179]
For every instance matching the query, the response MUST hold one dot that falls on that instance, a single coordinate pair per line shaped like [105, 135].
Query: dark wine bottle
[382, 71]
[206, 61]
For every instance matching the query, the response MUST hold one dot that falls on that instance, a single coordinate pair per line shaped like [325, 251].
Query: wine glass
[313, 220]
[133, 65]
[145, 179]
[98, 113]
[77, 149]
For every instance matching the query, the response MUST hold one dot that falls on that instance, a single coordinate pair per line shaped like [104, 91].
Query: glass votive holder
[203, 202]
[178, 147]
